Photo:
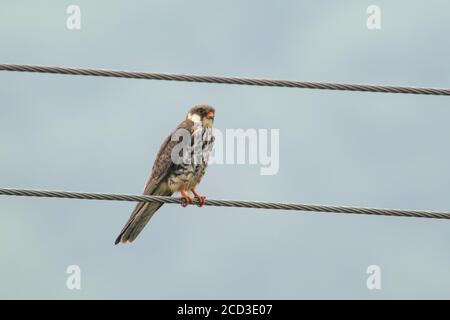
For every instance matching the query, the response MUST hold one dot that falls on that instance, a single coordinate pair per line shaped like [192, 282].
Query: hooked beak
[210, 115]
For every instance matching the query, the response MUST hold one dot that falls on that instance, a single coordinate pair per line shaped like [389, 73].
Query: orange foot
[200, 199]
[185, 199]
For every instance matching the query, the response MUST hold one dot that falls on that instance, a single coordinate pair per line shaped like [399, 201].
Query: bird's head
[203, 114]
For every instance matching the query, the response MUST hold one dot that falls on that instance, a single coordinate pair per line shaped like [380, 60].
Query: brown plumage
[168, 177]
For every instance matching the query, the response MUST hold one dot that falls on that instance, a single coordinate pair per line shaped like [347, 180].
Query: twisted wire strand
[228, 203]
[225, 80]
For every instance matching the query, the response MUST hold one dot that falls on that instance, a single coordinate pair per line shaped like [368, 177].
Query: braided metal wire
[226, 80]
[228, 203]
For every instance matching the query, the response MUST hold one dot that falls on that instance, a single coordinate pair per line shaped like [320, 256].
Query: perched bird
[179, 166]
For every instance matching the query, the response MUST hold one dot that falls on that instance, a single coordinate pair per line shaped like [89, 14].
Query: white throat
[194, 118]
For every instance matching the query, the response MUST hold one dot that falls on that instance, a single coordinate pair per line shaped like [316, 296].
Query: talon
[185, 200]
[201, 200]
[198, 198]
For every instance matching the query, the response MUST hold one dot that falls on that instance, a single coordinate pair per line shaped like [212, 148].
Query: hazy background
[342, 148]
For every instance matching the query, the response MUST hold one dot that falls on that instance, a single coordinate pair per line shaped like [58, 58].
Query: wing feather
[161, 169]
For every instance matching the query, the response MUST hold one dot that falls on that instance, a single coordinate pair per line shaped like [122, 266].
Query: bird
[179, 166]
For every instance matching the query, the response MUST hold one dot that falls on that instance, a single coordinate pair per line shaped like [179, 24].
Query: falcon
[179, 166]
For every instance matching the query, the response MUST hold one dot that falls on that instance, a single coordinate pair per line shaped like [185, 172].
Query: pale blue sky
[342, 148]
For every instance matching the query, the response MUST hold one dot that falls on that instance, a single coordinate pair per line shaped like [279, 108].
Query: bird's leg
[185, 199]
[199, 198]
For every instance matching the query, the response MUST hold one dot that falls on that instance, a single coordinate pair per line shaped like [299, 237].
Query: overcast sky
[341, 148]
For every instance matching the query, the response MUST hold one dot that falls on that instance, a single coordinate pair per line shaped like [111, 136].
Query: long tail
[139, 218]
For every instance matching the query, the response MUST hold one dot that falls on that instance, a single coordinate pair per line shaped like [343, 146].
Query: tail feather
[137, 222]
